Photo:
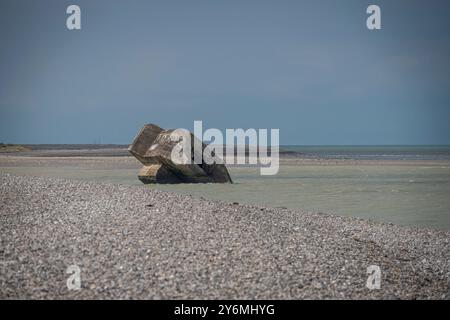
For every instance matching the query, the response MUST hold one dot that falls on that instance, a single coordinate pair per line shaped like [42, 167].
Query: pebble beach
[132, 242]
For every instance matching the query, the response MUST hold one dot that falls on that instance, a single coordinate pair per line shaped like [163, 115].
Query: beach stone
[153, 147]
[134, 242]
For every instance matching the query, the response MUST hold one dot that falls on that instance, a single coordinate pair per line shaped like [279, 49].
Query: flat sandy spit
[133, 242]
[111, 158]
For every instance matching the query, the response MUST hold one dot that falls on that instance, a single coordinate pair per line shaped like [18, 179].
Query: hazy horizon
[281, 145]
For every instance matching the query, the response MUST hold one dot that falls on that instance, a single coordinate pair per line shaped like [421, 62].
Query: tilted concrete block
[153, 147]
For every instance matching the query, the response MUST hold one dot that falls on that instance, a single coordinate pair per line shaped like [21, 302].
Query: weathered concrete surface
[153, 147]
[156, 173]
[143, 141]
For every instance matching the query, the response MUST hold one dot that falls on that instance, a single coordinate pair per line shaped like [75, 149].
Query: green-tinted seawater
[416, 195]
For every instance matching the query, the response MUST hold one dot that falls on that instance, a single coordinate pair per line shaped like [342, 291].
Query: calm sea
[369, 152]
[416, 194]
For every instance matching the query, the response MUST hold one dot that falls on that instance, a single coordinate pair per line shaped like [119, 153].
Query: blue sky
[310, 68]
